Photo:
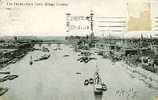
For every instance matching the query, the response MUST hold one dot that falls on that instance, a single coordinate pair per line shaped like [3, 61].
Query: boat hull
[98, 92]
[98, 89]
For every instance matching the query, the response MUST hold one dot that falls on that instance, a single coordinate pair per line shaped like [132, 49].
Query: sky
[51, 20]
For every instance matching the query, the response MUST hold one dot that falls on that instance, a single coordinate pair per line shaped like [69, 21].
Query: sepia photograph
[78, 50]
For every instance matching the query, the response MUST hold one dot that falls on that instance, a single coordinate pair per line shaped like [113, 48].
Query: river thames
[56, 79]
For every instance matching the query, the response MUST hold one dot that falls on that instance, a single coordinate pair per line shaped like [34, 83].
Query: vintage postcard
[78, 49]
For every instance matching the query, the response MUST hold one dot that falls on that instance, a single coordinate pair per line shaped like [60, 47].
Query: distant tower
[92, 25]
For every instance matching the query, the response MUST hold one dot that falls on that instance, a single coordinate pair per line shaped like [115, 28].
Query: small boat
[84, 59]
[44, 57]
[91, 81]
[11, 77]
[97, 84]
[78, 72]
[31, 61]
[3, 91]
[4, 72]
[86, 82]
[104, 87]
[8, 77]
[66, 55]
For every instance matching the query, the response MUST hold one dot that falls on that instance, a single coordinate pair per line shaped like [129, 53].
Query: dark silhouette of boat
[86, 82]
[31, 61]
[97, 84]
[3, 91]
[44, 57]
[91, 80]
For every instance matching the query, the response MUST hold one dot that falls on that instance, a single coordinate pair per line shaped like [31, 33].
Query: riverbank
[12, 55]
[149, 78]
